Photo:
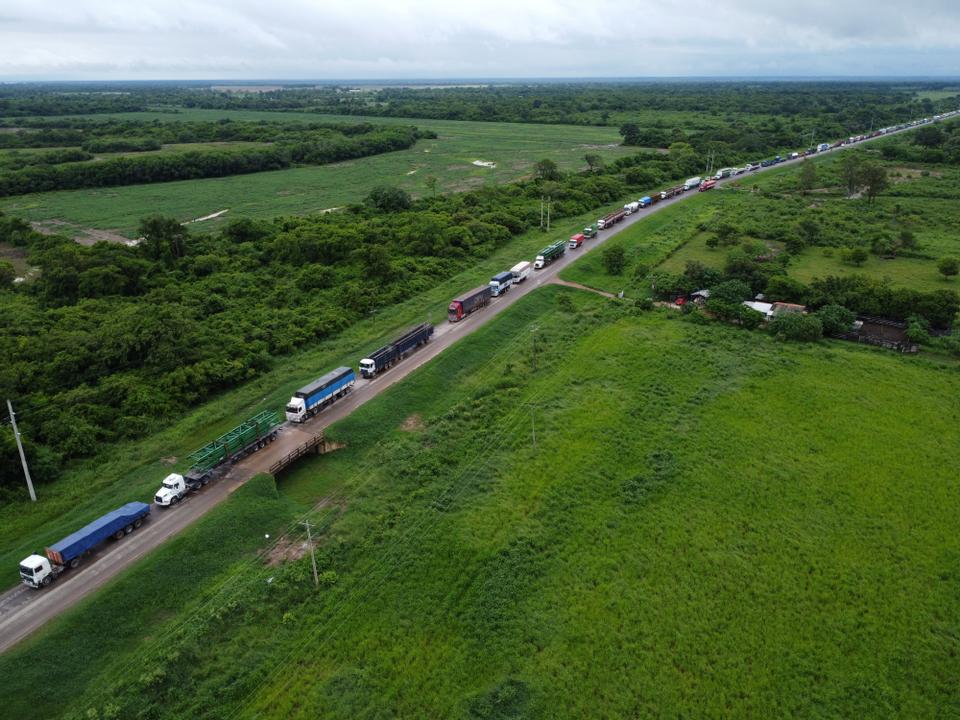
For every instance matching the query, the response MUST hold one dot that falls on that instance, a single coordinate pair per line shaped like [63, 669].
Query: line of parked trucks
[38, 570]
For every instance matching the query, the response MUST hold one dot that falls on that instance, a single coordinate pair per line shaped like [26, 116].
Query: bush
[388, 199]
[614, 259]
[948, 266]
[795, 326]
[835, 319]
[856, 256]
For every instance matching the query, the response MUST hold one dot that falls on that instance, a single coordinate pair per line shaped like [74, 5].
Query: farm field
[514, 148]
[734, 527]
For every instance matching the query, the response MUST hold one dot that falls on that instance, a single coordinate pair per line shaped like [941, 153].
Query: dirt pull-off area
[83, 235]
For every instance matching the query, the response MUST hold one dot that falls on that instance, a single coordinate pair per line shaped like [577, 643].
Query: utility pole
[549, 201]
[541, 212]
[23, 457]
[533, 424]
[533, 347]
[313, 555]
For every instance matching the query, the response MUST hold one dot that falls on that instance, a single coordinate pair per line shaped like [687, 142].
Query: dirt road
[23, 610]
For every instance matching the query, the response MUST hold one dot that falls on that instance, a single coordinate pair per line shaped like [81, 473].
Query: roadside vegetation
[668, 513]
[871, 229]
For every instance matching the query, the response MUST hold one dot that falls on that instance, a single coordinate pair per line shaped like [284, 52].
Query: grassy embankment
[297, 191]
[712, 523]
[923, 200]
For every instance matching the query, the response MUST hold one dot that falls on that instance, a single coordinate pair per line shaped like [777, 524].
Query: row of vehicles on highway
[39, 570]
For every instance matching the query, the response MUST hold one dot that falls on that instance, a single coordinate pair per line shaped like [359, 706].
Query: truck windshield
[293, 409]
[24, 570]
[170, 485]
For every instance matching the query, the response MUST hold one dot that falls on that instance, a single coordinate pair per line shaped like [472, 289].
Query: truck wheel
[137, 523]
[47, 580]
[75, 563]
[128, 529]
[174, 500]
[118, 534]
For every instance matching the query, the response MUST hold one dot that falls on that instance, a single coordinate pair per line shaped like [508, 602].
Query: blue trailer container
[115, 523]
[312, 398]
[645, 201]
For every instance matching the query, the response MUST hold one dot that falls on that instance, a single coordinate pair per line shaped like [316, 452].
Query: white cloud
[496, 38]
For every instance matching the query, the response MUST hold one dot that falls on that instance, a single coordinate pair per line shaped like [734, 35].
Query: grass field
[513, 147]
[647, 244]
[711, 524]
[917, 273]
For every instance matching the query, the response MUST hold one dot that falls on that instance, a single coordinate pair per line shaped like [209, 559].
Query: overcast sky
[356, 39]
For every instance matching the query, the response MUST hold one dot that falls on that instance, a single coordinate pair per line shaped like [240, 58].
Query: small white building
[764, 308]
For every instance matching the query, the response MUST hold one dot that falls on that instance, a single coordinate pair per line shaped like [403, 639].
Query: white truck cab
[172, 490]
[296, 410]
[36, 571]
[368, 368]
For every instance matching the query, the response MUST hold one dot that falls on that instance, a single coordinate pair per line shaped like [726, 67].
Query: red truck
[576, 241]
[707, 185]
[471, 302]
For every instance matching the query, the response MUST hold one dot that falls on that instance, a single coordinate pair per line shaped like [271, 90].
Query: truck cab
[589, 232]
[539, 262]
[368, 368]
[296, 410]
[172, 490]
[500, 283]
[36, 571]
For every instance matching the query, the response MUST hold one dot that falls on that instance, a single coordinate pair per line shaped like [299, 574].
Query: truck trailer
[692, 183]
[549, 254]
[311, 399]
[611, 219]
[245, 438]
[707, 185]
[471, 302]
[520, 271]
[39, 571]
[389, 355]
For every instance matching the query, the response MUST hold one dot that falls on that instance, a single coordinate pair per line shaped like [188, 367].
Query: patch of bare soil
[286, 550]
[82, 235]
[414, 423]
[169, 460]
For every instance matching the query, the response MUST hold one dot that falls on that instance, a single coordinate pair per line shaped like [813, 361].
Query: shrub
[795, 326]
[835, 319]
[614, 259]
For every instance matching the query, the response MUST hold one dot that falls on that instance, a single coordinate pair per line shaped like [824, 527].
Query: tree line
[326, 148]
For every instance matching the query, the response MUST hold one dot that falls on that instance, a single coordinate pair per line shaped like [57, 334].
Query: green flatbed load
[230, 443]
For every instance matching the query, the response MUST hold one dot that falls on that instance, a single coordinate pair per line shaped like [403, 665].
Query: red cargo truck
[468, 303]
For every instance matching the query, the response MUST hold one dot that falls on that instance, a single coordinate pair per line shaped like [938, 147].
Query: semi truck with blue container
[245, 438]
[311, 399]
[388, 355]
[40, 570]
[500, 283]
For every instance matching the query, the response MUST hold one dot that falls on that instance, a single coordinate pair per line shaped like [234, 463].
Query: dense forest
[94, 164]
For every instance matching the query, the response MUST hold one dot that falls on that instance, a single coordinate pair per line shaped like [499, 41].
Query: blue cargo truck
[396, 351]
[39, 570]
[311, 399]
